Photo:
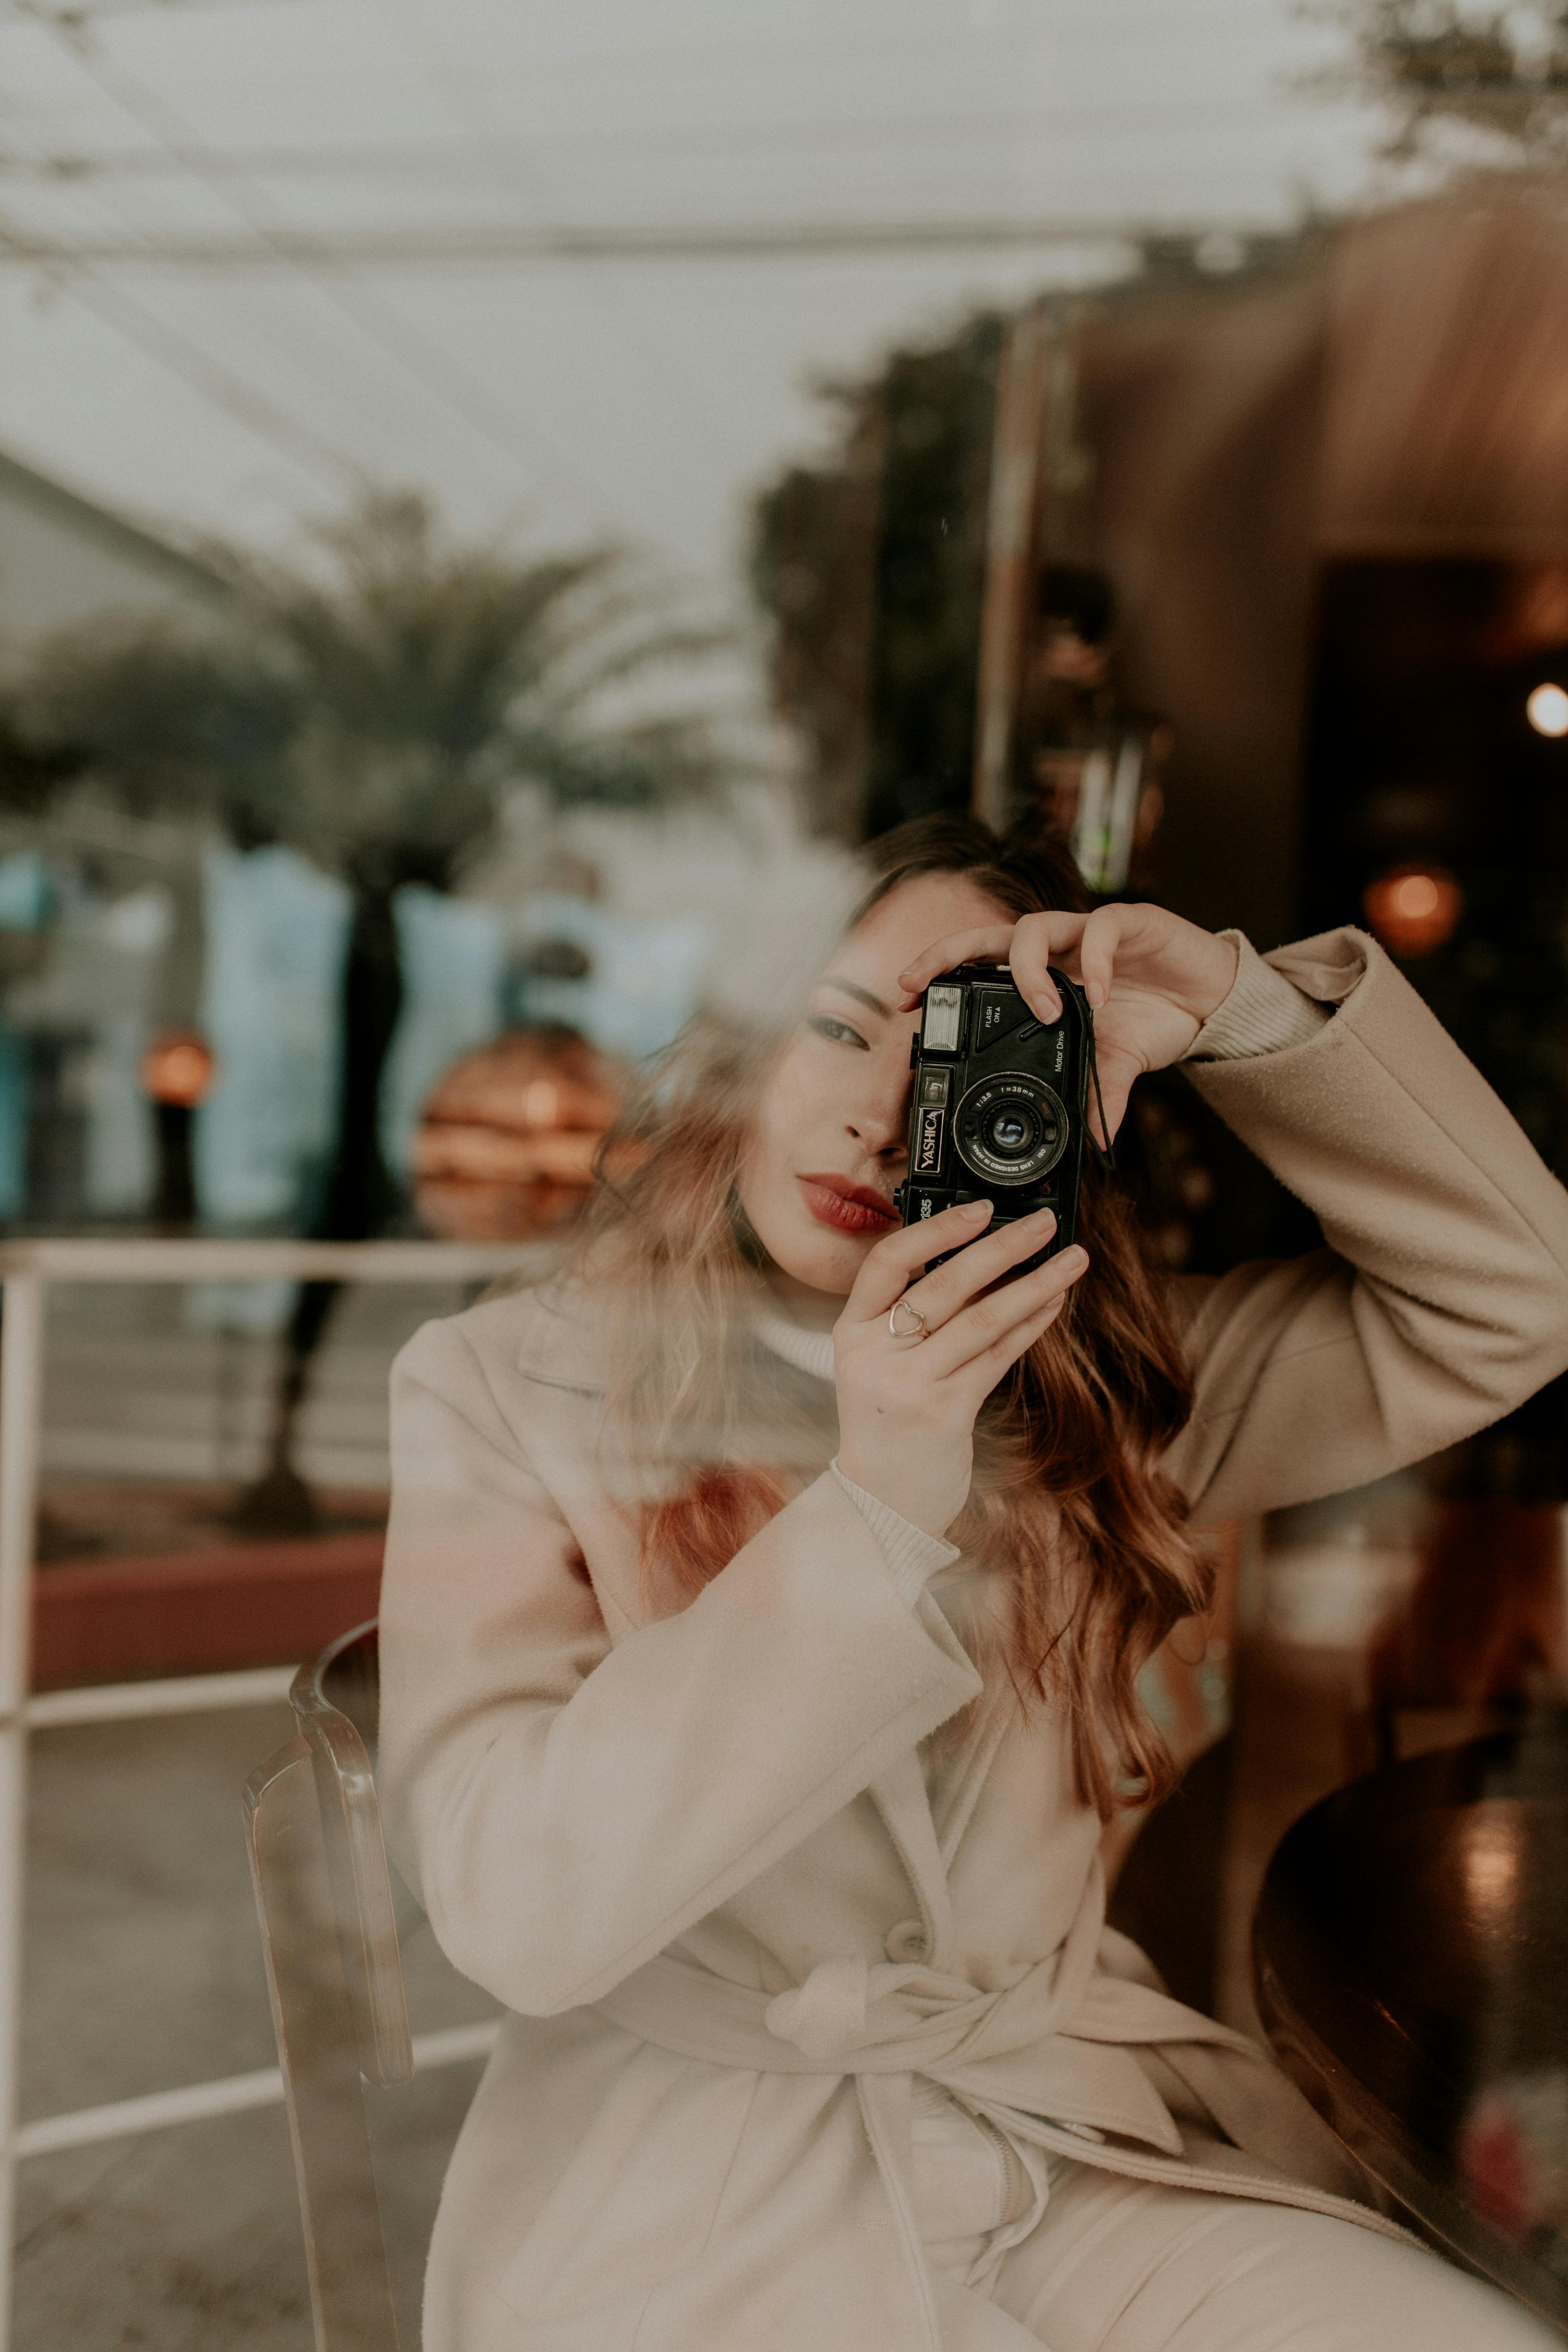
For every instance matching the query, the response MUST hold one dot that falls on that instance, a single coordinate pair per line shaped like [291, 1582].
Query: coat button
[907, 1941]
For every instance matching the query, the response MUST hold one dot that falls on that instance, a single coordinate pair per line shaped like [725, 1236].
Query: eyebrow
[864, 995]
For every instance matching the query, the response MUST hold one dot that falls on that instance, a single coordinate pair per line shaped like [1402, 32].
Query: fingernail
[1041, 1218]
[1095, 993]
[976, 1210]
[1075, 1258]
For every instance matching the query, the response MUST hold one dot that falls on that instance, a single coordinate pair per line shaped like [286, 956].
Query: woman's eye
[837, 1033]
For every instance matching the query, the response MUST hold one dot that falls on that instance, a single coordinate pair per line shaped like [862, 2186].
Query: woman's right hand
[907, 1407]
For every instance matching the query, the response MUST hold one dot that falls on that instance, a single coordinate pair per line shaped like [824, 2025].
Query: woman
[759, 1661]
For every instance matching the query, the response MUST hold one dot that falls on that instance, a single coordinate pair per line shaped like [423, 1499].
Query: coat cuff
[912, 1555]
[1263, 1013]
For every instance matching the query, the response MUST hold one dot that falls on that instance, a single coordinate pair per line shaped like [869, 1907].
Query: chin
[823, 1261]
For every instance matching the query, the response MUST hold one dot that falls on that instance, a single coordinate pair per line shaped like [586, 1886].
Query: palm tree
[374, 709]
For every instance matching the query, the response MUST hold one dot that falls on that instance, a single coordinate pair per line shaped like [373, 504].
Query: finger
[939, 1293]
[1044, 935]
[1030, 943]
[886, 1273]
[1097, 950]
[979, 1326]
[988, 944]
[986, 1370]
[1118, 1070]
[1038, 941]
[1114, 1099]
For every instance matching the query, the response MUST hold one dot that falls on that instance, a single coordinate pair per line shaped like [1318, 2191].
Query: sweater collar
[808, 1351]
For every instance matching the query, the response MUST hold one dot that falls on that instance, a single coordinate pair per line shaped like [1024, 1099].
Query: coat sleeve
[564, 1806]
[1441, 1301]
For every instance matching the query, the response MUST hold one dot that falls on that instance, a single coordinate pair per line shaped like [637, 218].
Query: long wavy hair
[1069, 1505]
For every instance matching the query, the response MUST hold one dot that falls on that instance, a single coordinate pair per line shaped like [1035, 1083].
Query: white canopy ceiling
[575, 264]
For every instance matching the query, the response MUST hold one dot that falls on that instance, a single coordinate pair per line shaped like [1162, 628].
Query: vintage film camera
[999, 1102]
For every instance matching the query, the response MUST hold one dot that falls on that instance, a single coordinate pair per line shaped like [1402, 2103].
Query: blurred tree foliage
[372, 708]
[373, 711]
[1443, 67]
[870, 566]
[870, 563]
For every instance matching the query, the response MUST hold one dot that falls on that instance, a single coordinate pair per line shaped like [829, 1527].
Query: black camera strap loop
[1104, 1153]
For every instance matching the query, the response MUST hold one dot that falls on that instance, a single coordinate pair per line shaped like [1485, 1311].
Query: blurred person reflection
[1089, 764]
[759, 1669]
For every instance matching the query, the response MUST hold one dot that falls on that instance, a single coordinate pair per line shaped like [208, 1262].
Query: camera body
[998, 1110]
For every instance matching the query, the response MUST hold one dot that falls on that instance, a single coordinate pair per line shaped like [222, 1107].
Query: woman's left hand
[1151, 980]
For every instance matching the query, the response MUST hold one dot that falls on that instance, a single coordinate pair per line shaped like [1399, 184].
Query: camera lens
[1009, 1133]
[1011, 1129]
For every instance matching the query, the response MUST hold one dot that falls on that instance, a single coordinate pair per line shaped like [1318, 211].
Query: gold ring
[923, 1328]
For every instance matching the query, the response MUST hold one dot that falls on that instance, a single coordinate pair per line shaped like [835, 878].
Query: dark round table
[1410, 1951]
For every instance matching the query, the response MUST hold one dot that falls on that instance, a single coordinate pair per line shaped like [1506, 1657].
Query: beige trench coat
[696, 1857]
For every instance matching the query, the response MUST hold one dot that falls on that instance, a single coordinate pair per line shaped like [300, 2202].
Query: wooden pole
[1015, 457]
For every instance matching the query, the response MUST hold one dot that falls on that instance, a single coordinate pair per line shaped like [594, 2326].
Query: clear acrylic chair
[323, 1896]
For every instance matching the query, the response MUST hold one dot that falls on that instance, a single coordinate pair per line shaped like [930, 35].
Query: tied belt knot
[1045, 2062]
[847, 2009]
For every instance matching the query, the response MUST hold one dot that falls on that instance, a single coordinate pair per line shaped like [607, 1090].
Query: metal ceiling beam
[72, 14]
[501, 243]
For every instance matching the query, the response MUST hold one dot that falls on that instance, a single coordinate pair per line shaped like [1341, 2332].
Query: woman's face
[829, 1141]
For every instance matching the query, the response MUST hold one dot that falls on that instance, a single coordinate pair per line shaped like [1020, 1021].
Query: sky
[575, 267]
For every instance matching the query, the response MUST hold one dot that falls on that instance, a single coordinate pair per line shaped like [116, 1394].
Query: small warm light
[1547, 710]
[177, 1068]
[1416, 898]
[1490, 1864]
[1414, 909]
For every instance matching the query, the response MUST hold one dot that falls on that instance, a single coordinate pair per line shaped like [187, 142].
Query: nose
[883, 1141]
[879, 1124]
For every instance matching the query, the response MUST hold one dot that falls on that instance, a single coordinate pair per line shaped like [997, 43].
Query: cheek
[790, 1106]
[795, 1127]
[790, 1110]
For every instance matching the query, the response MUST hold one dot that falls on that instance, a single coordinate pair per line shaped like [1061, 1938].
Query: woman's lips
[847, 1208]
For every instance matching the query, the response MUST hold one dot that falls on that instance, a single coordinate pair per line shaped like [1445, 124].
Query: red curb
[201, 1611]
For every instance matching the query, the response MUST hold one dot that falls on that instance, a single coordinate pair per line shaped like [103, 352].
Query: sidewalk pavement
[144, 1972]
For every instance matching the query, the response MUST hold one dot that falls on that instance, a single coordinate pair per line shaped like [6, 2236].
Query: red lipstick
[847, 1208]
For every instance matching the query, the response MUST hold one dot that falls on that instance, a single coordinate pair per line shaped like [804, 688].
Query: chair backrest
[323, 1897]
[337, 1706]
[1410, 1947]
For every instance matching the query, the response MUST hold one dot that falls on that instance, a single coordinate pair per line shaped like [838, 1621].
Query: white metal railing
[26, 1271]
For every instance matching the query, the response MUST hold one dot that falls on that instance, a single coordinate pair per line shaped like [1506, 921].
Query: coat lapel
[899, 1797]
[558, 1354]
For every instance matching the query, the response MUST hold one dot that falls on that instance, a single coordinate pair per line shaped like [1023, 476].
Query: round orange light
[1546, 707]
[541, 1103]
[1414, 909]
[1416, 898]
[177, 1068]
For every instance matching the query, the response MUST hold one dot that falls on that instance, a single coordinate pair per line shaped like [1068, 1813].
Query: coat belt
[1047, 2056]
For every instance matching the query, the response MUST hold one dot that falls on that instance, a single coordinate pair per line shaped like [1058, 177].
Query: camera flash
[945, 1011]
